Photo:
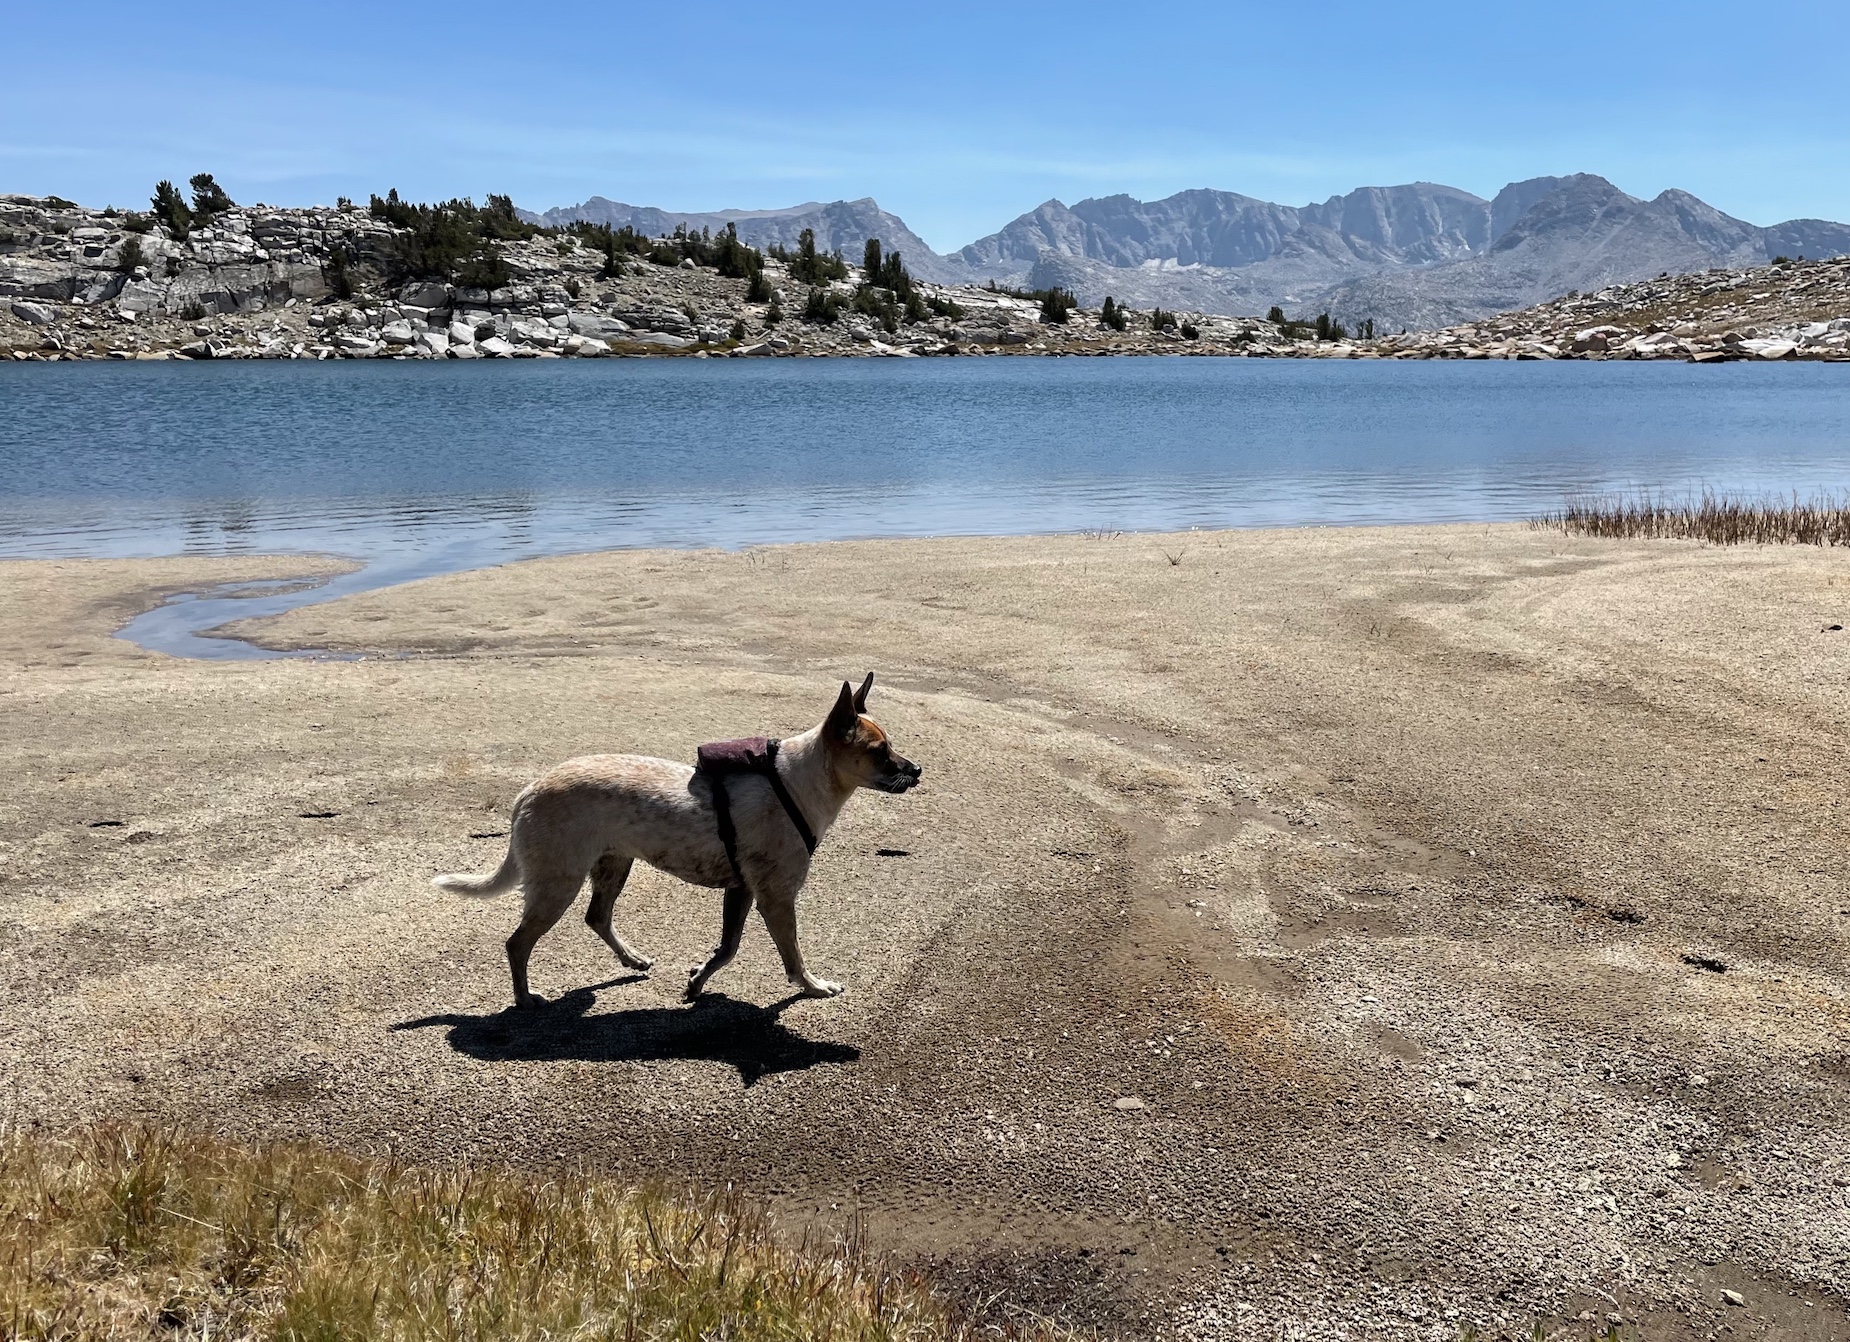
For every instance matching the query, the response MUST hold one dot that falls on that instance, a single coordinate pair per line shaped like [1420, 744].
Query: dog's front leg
[780, 920]
[731, 927]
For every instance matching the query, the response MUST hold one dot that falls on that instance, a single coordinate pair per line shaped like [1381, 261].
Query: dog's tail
[505, 878]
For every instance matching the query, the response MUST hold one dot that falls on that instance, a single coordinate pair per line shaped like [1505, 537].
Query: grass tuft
[127, 1233]
[1719, 519]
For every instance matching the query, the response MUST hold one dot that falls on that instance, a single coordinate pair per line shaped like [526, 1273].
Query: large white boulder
[659, 339]
[37, 314]
[595, 325]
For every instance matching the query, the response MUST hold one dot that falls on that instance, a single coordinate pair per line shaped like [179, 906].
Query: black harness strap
[791, 808]
[722, 806]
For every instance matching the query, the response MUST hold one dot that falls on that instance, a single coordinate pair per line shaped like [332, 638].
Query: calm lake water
[420, 468]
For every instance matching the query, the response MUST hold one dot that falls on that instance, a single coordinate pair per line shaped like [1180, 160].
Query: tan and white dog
[598, 814]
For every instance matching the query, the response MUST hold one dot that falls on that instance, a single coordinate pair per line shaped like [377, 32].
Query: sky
[956, 117]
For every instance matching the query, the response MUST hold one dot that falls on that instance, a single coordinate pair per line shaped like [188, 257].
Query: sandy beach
[1388, 929]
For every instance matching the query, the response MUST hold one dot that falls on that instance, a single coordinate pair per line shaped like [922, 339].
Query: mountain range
[1417, 256]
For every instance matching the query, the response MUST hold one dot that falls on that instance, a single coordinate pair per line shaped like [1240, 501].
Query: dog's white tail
[506, 877]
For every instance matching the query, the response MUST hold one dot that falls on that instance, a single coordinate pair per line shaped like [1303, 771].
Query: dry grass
[126, 1233]
[1720, 519]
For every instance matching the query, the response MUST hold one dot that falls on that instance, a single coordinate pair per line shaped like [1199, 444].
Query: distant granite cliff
[842, 225]
[1418, 256]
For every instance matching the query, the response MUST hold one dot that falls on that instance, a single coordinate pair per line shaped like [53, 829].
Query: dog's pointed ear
[842, 718]
[860, 695]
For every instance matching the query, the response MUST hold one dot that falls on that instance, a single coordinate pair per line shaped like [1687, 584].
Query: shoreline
[1376, 864]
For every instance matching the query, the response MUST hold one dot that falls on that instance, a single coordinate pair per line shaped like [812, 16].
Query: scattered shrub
[1112, 315]
[738, 329]
[809, 265]
[822, 307]
[452, 241]
[1190, 331]
[137, 223]
[194, 311]
[573, 288]
[1160, 320]
[1275, 315]
[759, 290]
[129, 258]
[59, 203]
[944, 307]
[775, 313]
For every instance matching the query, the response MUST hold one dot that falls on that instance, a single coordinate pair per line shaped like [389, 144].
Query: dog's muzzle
[903, 780]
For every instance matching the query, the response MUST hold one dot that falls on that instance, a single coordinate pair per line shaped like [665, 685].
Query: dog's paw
[822, 988]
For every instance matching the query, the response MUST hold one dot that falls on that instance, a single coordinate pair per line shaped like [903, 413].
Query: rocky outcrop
[261, 283]
[1795, 310]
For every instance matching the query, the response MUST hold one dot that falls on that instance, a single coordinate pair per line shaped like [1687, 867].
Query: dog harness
[718, 761]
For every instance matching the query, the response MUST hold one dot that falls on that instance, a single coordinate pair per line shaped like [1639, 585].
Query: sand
[1388, 928]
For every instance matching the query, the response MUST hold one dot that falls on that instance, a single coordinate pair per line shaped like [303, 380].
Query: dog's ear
[860, 695]
[842, 718]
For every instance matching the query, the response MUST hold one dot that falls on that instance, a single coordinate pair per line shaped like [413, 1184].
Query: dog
[599, 814]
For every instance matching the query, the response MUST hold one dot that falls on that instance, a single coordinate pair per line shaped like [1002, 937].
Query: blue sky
[956, 117]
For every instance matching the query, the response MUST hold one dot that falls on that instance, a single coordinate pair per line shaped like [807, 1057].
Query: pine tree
[171, 210]
[1056, 304]
[870, 260]
[209, 197]
[1276, 315]
[1323, 326]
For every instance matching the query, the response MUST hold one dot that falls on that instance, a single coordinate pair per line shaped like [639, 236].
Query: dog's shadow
[713, 1028]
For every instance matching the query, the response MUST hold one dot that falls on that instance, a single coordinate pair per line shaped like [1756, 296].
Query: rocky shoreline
[260, 282]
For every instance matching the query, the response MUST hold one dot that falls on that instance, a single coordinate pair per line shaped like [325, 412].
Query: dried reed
[1719, 519]
[132, 1233]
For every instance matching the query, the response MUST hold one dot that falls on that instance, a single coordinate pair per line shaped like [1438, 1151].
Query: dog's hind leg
[548, 897]
[731, 928]
[607, 879]
[780, 919]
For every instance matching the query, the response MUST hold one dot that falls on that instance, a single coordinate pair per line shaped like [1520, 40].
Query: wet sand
[1464, 908]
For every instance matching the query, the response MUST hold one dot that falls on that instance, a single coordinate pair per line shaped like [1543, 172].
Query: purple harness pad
[747, 755]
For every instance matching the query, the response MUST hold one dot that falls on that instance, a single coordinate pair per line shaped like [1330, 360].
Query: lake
[420, 468]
